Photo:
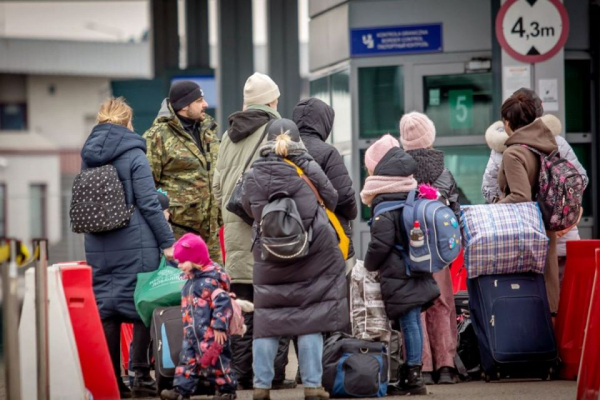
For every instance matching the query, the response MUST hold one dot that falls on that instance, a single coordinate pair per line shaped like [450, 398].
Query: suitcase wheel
[491, 377]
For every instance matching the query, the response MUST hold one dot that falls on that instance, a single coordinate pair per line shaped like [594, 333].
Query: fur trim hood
[495, 136]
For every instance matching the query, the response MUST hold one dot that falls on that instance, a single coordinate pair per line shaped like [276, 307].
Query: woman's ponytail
[282, 142]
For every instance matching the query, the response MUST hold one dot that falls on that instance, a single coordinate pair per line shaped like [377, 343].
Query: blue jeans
[310, 349]
[413, 336]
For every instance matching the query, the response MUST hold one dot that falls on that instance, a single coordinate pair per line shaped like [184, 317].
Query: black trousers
[140, 359]
[241, 347]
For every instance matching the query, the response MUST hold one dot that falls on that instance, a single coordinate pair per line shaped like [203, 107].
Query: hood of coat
[430, 164]
[109, 141]
[396, 162]
[536, 135]
[313, 116]
[496, 137]
[380, 198]
[244, 123]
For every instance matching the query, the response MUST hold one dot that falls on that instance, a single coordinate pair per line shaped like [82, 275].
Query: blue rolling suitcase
[512, 321]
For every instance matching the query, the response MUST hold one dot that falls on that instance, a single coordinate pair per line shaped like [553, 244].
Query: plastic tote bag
[160, 288]
[503, 239]
[367, 311]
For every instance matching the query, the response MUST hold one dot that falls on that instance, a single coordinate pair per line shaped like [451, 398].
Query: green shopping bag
[160, 288]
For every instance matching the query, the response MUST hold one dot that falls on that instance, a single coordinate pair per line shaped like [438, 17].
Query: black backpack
[281, 234]
[98, 202]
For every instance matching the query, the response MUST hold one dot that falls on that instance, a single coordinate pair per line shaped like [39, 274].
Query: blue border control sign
[408, 39]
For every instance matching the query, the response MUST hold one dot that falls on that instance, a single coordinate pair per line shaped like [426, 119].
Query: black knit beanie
[283, 125]
[183, 93]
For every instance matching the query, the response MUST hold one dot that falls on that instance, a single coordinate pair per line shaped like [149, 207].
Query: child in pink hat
[206, 347]
[417, 134]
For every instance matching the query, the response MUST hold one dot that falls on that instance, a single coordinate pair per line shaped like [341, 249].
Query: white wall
[66, 116]
[20, 172]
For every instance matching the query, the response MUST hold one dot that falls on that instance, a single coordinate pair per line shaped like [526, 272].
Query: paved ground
[508, 390]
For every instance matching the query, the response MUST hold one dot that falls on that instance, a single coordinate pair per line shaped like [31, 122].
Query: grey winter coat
[495, 137]
[117, 256]
[314, 119]
[307, 295]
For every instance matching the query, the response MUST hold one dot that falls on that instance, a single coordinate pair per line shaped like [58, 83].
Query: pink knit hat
[375, 153]
[192, 248]
[417, 131]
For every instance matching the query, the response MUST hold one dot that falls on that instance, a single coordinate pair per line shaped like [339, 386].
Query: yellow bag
[333, 219]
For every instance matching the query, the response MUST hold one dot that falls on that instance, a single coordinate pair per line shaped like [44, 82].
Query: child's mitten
[210, 356]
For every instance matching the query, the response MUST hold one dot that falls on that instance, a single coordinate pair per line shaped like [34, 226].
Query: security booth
[373, 61]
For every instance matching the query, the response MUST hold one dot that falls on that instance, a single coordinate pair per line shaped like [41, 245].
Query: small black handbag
[234, 205]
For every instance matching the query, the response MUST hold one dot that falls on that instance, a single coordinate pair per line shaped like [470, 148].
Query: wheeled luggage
[167, 337]
[512, 321]
[354, 367]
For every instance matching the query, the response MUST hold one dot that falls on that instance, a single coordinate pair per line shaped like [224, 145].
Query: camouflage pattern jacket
[185, 171]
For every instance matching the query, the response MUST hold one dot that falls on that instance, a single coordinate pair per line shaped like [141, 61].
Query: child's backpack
[281, 234]
[98, 202]
[441, 244]
[236, 324]
[560, 191]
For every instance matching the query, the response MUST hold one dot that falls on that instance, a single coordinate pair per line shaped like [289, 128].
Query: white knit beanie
[260, 90]
[417, 131]
[553, 123]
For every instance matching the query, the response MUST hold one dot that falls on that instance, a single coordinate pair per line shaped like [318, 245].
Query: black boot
[143, 385]
[410, 382]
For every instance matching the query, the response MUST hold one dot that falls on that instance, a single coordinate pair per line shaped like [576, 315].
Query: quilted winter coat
[314, 119]
[306, 295]
[117, 256]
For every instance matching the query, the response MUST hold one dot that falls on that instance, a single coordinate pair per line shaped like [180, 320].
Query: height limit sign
[532, 31]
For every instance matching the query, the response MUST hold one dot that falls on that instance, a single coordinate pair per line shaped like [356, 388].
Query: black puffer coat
[314, 119]
[431, 170]
[307, 295]
[401, 293]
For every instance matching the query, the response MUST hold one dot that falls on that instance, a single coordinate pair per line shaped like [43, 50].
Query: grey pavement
[504, 390]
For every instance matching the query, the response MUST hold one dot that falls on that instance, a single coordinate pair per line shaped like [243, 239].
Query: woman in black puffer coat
[305, 296]
[404, 296]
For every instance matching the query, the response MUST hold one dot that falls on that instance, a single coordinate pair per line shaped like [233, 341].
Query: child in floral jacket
[206, 351]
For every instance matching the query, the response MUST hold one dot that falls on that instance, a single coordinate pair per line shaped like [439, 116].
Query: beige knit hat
[260, 89]
[417, 131]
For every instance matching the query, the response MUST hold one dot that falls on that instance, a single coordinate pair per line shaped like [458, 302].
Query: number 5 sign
[532, 31]
[461, 108]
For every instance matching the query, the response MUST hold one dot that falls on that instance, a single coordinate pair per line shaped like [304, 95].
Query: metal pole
[10, 324]
[41, 320]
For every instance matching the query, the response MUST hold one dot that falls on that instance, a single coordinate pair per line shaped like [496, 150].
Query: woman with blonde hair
[303, 295]
[117, 256]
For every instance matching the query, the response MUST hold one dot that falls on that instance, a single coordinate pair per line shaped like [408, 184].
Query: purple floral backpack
[560, 191]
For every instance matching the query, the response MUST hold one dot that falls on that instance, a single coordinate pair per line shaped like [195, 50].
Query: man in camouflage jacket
[182, 150]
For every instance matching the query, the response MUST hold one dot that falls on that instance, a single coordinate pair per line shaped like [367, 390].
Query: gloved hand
[211, 355]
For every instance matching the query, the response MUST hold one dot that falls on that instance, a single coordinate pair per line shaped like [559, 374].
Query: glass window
[578, 97]
[3, 210]
[319, 88]
[459, 104]
[341, 103]
[381, 100]
[37, 211]
[13, 117]
[583, 151]
[467, 164]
